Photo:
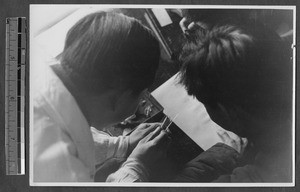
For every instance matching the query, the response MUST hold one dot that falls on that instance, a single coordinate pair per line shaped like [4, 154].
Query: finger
[147, 127]
[182, 24]
[151, 124]
[224, 136]
[167, 139]
[151, 127]
[161, 139]
[244, 145]
[146, 138]
[168, 131]
[236, 138]
[151, 135]
[192, 26]
[142, 126]
[154, 124]
[244, 142]
[155, 133]
[128, 119]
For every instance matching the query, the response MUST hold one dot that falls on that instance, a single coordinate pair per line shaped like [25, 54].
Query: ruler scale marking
[14, 90]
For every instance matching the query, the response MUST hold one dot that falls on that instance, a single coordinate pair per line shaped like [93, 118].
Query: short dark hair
[213, 17]
[107, 50]
[244, 66]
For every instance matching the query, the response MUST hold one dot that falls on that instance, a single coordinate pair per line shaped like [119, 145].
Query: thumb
[151, 135]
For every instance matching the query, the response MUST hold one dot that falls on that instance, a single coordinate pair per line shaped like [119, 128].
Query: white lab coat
[65, 148]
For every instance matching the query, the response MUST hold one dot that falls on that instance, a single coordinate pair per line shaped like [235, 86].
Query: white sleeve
[131, 171]
[107, 147]
[55, 157]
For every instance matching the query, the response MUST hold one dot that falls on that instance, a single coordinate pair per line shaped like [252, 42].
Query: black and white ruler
[15, 64]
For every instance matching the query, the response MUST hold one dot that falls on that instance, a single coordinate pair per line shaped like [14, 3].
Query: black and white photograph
[162, 95]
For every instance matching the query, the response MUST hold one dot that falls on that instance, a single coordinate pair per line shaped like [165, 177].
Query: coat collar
[66, 112]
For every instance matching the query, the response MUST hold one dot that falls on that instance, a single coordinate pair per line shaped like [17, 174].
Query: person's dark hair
[245, 67]
[212, 17]
[206, 19]
[107, 50]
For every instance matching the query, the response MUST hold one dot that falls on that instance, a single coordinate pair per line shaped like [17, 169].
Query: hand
[152, 149]
[140, 132]
[237, 143]
[187, 26]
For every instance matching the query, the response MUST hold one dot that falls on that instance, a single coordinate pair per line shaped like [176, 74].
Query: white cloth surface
[132, 170]
[64, 147]
[191, 115]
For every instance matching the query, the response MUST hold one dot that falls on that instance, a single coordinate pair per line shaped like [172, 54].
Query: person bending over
[108, 60]
[243, 76]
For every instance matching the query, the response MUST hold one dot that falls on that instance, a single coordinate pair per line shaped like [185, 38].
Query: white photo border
[153, 184]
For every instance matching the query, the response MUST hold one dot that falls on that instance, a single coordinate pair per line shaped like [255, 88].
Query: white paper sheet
[192, 117]
[162, 17]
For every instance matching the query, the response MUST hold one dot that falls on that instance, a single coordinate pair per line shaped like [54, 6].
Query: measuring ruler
[15, 59]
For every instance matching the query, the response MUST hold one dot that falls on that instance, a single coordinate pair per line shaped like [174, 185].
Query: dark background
[20, 8]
